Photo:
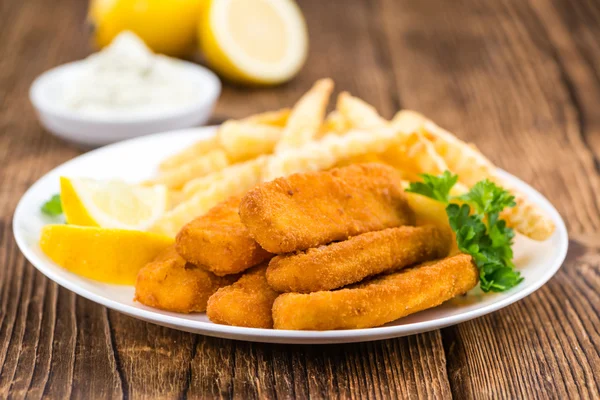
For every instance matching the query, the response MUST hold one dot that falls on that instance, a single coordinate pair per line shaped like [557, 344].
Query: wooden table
[521, 79]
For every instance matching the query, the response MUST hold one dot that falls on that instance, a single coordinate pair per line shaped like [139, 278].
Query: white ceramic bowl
[100, 130]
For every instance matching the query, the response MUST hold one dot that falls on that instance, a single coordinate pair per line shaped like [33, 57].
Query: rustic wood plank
[152, 360]
[95, 373]
[24, 371]
[525, 77]
[60, 380]
[572, 32]
[551, 339]
[572, 29]
[41, 333]
[41, 372]
[15, 327]
[507, 97]
[502, 89]
[386, 369]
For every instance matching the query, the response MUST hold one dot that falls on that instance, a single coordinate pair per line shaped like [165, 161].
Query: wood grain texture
[519, 79]
[505, 89]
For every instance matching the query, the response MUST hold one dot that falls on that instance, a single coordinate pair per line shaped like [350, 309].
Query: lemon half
[89, 202]
[106, 255]
[254, 41]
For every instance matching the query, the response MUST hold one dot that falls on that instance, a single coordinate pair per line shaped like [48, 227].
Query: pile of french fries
[273, 144]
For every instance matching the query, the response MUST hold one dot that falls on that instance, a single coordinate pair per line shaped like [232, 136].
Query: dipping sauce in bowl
[121, 92]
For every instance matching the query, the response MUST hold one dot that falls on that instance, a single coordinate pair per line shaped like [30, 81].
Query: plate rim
[276, 335]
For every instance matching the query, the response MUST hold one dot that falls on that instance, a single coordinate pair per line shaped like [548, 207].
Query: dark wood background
[519, 78]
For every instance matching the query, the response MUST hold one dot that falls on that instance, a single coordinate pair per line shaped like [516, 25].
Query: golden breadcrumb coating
[247, 302]
[219, 241]
[310, 209]
[379, 301]
[169, 283]
[343, 263]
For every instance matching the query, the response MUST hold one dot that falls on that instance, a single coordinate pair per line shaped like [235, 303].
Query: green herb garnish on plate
[52, 207]
[475, 219]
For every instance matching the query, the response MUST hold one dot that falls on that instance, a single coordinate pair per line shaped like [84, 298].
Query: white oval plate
[136, 159]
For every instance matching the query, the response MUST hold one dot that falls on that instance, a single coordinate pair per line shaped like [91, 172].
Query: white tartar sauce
[127, 78]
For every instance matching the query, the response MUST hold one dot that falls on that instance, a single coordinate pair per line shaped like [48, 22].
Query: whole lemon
[166, 26]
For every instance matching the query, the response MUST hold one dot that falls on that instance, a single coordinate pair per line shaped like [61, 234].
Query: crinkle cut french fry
[417, 155]
[276, 118]
[250, 170]
[471, 167]
[190, 153]
[526, 217]
[358, 113]
[335, 122]
[306, 117]
[246, 140]
[175, 197]
[229, 184]
[325, 153]
[212, 161]
[408, 121]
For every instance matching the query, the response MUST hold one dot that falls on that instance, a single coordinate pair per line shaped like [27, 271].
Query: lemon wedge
[254, 41]
[106, 255]
[89, 202]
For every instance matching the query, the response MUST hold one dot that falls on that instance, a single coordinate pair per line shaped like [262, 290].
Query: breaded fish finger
[342, 263]
[310, 209]
[169, 283]
[219, 241]
[379, 301]
[247, 302]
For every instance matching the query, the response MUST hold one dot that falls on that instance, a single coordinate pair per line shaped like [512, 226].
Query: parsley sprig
[53, 207]
[475, 218]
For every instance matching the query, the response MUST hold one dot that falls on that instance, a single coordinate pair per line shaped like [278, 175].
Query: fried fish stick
[315, 208]
[219, 241]
[379, 301]
[169, 283]
[247, 302]
[343, 263]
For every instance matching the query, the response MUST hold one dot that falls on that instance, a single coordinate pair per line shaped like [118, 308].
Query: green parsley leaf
[52, 207]
[488, 198]
[479, 230]
[435, 187]
[470, 230]
[502, 240]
